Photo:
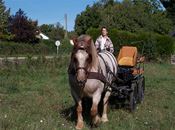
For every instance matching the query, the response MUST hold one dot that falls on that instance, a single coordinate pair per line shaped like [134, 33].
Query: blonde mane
[95, 61]
[92, 50]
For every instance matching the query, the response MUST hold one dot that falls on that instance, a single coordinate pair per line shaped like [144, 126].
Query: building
[40, 35]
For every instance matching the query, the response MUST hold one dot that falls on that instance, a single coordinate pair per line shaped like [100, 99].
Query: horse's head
[82, 58]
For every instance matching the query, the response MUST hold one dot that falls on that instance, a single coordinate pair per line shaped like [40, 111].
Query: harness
[97, 75]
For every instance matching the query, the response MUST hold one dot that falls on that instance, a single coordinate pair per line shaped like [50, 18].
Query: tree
[129, 15]
[88, 18]
[22, 27]
[54, 32]
[170, 7]
[4, 15]
[46, 29]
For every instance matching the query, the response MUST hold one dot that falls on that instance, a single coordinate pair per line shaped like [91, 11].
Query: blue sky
[50, 11]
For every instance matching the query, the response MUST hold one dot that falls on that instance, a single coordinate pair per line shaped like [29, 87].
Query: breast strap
[97, 75]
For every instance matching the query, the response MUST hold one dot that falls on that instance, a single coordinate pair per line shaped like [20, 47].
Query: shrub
[65, 47]
[93, 32]
[6, 37]
[12, 48]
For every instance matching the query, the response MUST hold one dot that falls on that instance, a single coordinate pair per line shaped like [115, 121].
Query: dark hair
[103, 27]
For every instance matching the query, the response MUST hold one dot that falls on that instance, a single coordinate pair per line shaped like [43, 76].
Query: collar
[107, 38]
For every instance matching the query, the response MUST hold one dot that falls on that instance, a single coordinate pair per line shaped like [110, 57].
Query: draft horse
[88, 77]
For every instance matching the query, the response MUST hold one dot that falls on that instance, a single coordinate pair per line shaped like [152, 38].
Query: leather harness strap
[97, 75]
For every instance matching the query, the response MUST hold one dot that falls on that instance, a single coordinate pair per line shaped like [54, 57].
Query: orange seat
[127, 56]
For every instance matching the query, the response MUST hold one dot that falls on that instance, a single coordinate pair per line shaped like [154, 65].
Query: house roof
[40, 35]
[44, 36]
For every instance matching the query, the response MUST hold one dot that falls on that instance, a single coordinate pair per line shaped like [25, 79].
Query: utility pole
[65, 17]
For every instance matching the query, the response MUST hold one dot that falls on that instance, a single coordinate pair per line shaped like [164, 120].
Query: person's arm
[111, 46]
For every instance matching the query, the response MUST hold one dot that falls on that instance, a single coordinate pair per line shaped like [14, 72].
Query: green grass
[36, 96]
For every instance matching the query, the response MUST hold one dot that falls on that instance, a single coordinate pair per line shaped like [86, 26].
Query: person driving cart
[103, 42]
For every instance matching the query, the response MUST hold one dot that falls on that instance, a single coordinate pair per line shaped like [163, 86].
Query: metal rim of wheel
[141, 89]
[132, 98]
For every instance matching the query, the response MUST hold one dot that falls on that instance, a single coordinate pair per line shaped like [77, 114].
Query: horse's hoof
[104, 120]
[96, 121]
[79, 126]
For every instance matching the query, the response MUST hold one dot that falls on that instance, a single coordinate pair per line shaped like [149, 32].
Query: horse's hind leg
[94, 109]
[79, 109]
[105, 106]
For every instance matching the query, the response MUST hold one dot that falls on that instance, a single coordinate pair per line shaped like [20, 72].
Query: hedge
[154, 46]
[13, 48]
[45, 47]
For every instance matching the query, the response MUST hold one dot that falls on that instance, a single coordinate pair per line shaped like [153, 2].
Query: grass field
[36, 96]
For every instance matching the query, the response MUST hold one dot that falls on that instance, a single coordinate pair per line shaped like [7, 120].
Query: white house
[40, 35]
[44, 36]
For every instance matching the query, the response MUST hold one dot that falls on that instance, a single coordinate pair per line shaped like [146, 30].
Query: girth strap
[97, 75]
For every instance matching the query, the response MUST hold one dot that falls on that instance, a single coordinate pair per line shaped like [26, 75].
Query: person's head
[104, 31]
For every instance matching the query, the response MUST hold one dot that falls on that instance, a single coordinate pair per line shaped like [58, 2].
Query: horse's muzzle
[81, 83]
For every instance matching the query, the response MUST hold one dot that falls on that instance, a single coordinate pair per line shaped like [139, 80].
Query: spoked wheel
[133, 97]
[141, 89]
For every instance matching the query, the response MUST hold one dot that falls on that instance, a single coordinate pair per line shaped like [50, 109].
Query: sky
[50, 11]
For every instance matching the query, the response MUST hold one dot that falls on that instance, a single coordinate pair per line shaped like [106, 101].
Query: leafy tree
[46, 28]
[129, 15]
[4, 15]
[22, 27]
[170, 7]
[54, 32]
[106, 3]
[88, 18]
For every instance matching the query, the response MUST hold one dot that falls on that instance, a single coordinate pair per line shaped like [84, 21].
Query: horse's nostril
[81, 82]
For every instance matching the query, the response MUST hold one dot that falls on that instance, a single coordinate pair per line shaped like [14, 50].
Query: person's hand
[108, 49]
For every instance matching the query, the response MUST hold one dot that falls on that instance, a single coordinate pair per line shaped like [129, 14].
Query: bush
[12, 48]
[154, 46]
[65, 47]
[6, 37]
[93, 32]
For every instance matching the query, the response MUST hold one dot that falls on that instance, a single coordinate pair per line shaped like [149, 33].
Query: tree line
[128, 15]
[20, 28]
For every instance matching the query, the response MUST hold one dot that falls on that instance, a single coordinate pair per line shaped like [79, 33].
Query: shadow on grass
[70, 113]
[71, 116]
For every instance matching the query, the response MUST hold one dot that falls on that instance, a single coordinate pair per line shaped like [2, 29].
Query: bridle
[81, 68]
[82, 83]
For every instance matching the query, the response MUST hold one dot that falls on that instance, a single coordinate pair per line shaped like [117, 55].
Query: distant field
[36, 96]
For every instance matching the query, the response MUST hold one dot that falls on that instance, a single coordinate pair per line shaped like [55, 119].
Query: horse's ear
[73, 41]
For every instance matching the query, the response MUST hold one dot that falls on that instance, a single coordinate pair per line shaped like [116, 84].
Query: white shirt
[102, 46]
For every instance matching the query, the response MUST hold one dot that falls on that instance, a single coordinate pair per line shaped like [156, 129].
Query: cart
[129, 85]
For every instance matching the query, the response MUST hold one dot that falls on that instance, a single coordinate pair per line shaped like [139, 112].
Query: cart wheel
[141, 89]
[133, 98]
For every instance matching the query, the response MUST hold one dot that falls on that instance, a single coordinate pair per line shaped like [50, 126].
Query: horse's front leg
[79, 109]
[105, 106]
[94, 109]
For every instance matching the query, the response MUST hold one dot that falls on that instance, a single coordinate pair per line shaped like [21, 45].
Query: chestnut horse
[88, 74]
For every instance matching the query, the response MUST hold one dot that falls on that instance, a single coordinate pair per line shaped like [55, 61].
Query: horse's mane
[95, 61]
[88, 43]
